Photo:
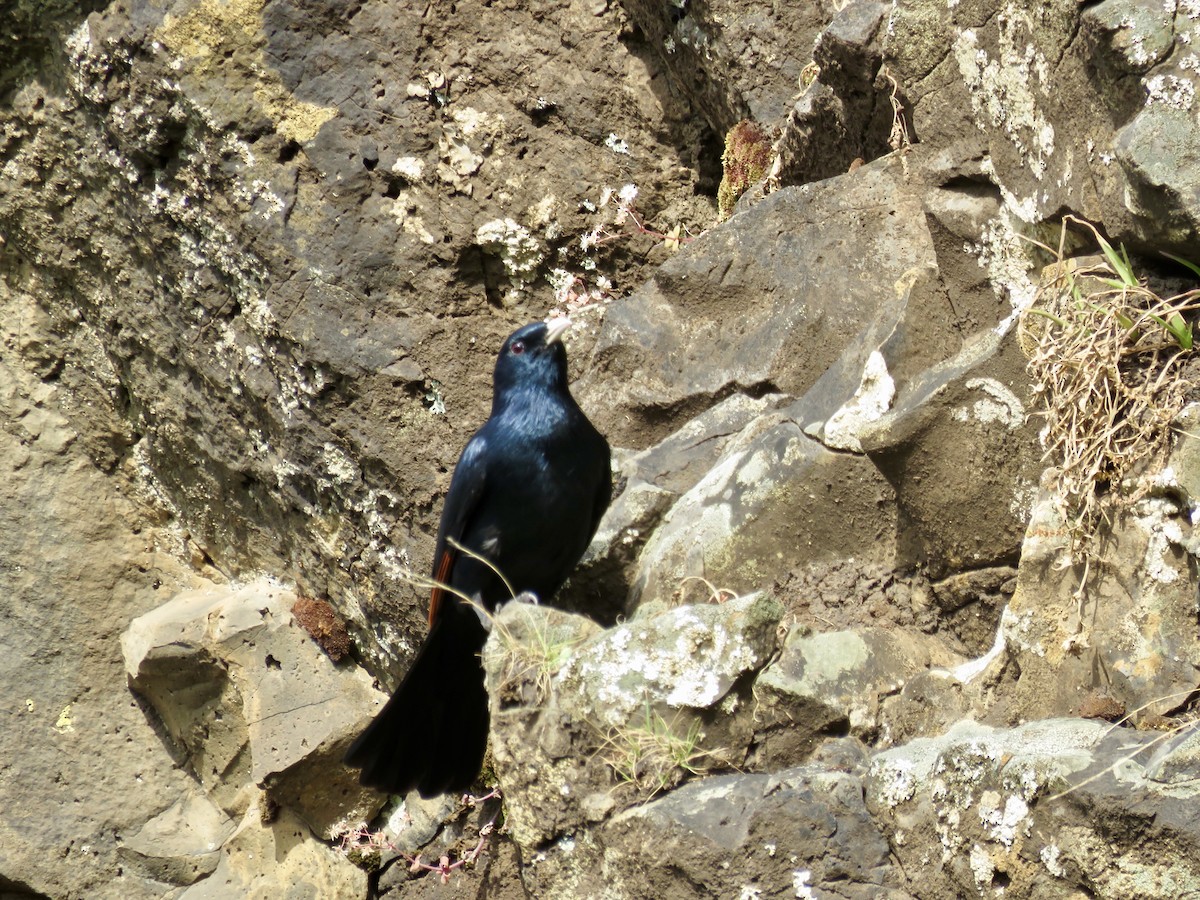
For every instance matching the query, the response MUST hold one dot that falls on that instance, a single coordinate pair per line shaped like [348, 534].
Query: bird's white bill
[555, 329]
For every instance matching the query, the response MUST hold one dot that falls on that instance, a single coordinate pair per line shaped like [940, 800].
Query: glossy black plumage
[527, 493]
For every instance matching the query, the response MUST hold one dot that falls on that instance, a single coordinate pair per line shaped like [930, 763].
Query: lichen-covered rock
[1131, 614]
[544, 756]
[802, 832]
[1017, 84]
[1045, 810]
[689, 656]
[647, 702]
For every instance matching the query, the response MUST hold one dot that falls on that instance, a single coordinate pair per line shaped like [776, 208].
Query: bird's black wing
[466, 487]
[603, 488]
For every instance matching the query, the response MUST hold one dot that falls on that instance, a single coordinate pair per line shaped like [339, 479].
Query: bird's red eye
[518, 347]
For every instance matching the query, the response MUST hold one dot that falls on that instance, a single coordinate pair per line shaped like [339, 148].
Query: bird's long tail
[431, 735]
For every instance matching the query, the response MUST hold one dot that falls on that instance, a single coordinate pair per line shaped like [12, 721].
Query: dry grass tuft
[655, 755]
[533, 658]
[1106, 355]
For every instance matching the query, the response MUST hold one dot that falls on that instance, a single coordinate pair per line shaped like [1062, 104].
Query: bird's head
[533, 356]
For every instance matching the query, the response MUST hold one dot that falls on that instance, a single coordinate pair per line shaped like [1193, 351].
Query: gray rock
[845, 115]
[649, 481]
[1049, 809]
[736, 60]
[961, 452]
[182, 844]
[802, 832]
[970, 604]
[544, 752]
[770, 504]
[278, 857]
[847, 675]
[749, 307]
[252, 701]
[1154, 148]
[1130, 35]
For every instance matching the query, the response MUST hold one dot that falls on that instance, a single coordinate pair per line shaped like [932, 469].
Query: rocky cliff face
[255, 261]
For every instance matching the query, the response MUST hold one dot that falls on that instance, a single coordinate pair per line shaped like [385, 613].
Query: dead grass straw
[1106, 354]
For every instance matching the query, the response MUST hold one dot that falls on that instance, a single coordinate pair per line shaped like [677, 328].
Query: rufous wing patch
[441, 575]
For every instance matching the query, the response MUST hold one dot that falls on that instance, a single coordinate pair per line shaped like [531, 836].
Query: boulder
[182, 844]
[848, 676]
[1123, 624]
[252, 702]
[803, 832]
[749, 307]
[274, 855]
[577, 711]
[1052, 808]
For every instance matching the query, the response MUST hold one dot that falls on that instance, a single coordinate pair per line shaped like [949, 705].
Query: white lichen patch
[1003, 822]
[982, 867]
[340, 467]
[616, 145]
[410, 168]
[517, 249]
[873, 398]
[1137, 53]
[542, 213]
[404, 211]
[1003, 255]
[961, 767]
[800, 884]
[473, 122]
[65, 722]
[1002, 89]
[685, 657]
[1050, 859]
[1158, 519]
[1171, 90]
[1021, 505]
[1017, 629]
[458, 163]
[998, 404]
[894, 778]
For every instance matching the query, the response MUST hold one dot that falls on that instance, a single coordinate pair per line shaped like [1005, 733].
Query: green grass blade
[1119, 262]
[1183, 262]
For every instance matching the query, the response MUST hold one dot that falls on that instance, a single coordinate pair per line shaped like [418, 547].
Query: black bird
[527, 494]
